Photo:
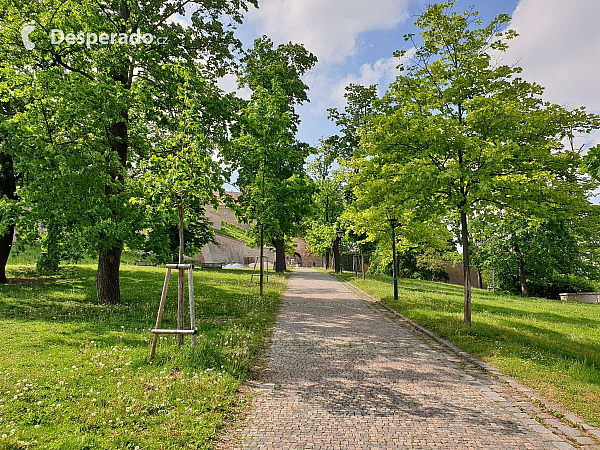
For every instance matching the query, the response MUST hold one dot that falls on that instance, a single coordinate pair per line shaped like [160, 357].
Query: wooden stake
[192, 305]
[180, 305]
[161, 308]
[181, 280]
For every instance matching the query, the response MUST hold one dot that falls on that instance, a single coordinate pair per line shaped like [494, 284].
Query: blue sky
[558, 46]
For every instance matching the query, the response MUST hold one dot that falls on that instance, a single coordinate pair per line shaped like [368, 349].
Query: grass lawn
[548, 345]
[75, 374]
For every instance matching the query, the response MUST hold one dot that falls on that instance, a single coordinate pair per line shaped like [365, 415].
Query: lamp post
[336, 250]
[393, 224]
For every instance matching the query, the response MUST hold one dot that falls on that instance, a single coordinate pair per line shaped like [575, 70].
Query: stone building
[229, 250]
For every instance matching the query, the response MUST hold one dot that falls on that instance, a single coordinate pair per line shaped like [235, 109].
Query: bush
[561, 283]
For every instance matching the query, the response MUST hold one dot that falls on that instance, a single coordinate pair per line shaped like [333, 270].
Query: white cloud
[559, 48]
[229, 83]
[382, 73]
[328, 28]
[327, 92]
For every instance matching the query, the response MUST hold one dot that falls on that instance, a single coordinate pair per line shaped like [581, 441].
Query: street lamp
[336, 250]
[393, 224]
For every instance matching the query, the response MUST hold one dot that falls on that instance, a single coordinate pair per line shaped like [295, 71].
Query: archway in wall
[298, 259]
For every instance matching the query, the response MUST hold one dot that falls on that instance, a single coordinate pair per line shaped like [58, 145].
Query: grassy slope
[551, 346]
[233, 231]
[74, 374]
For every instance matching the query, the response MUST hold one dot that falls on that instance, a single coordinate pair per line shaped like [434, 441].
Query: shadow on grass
[65, 311]
[511, 337]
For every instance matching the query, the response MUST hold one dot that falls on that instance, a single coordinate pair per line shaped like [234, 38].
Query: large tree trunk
[8, 189]
[279, 255]
[466, 265]
[479, 279]
[109, 260]
[327, 259]
[5, 246]
[336, 255]
[107, 278]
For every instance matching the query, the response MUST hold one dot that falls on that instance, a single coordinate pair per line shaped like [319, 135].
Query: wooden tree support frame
[266, 265]
[193, 331]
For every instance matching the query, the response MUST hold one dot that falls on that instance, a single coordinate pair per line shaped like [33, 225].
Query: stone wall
[457, 277]
[308, 259]
[231, 250]
[581, 297]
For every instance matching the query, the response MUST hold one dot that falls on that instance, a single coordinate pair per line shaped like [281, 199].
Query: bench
[212, 265]
[145, 263]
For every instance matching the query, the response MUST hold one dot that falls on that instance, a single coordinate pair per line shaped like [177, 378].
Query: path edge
[228, 436]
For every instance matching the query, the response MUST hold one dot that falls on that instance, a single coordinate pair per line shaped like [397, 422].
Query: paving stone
[585, 440]
[342, 374]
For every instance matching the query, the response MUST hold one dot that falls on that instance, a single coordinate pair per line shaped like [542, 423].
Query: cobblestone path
[341, 374]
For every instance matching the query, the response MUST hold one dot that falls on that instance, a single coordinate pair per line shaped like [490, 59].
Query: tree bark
[7, 188]
[107, 278]
[327, 259]
[466, 265]
[6, 242]
[522, 278]
[479, 279]
[279, 255]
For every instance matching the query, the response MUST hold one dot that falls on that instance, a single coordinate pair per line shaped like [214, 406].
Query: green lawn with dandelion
[75, 374]
[550, 346]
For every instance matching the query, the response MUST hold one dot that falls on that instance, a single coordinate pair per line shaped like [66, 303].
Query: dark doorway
[298, 259]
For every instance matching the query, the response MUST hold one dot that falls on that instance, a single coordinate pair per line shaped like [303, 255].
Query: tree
[184, 176]
[268, 153]
[264, 131]
[359, 107]
[328, 201]
[115, 95]
[459, 136]
[360, 100]
[9, 206]
[540, 256]
[8, 197]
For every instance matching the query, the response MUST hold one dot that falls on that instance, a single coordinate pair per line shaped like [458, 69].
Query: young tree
[461, 135]
[184, 176]
[328, 201]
